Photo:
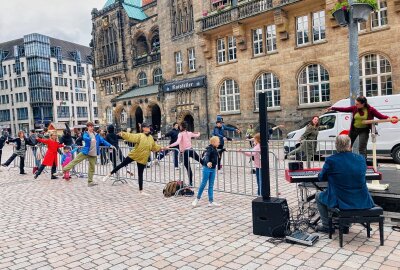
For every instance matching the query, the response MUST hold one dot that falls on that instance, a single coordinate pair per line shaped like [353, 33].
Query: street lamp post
[353, 56]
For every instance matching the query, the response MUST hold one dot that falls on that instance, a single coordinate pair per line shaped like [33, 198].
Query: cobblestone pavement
[48, 224]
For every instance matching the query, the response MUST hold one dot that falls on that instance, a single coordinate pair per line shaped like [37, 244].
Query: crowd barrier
[237, 175]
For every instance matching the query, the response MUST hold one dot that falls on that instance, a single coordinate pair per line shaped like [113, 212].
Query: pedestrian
[66, 158]
[3, 139]
[210, 161]
[50, 158]
[144, 145]
[66, 138]
[103, 151]
[184, 141]
[90, 152]
[308, 141]
[255, 154]
[250, 134]
[20, 150]
[113, 139]
[33, 139]
[361, 111]
[219, 131]
[173, 135]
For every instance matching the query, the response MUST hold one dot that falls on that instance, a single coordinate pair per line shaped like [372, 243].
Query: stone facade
[289, 59]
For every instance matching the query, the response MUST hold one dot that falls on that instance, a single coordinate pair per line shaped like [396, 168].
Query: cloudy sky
[64, 19]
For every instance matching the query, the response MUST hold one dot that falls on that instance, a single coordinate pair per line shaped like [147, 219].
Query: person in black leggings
[185, 147]
[144, 144]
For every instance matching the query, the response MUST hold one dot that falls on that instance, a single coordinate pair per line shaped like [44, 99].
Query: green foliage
[345, 4]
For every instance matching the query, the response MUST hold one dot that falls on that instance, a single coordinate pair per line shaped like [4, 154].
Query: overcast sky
[64, 19]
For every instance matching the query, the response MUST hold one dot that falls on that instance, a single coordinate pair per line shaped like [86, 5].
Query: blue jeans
[37, 161]
[258, 178]
[208, 176]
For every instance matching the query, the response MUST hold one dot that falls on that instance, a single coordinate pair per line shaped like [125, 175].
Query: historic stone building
[135, 83]
[295, 52]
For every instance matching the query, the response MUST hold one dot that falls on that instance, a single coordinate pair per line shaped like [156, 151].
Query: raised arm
[129, 137]
[341, 109]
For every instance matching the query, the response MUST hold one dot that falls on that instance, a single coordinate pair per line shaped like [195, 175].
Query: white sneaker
[195, 202]
[213, 204]
[60, 173]
[144, 193]
[107, 177]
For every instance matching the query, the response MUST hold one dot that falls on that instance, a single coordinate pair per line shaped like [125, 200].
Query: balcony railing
[242, 11]
[147, 59]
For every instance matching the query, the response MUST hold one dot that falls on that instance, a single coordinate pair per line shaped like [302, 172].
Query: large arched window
[109, 115]
[109, 47]
[124, 117]
[157, 76]
[142, 79]
[141, 45]
[375, 75]
[269, 84]
[313, 85]
[229, 96]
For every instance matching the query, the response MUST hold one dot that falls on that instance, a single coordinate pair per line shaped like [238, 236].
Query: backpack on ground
[185, 191]
[171, 188]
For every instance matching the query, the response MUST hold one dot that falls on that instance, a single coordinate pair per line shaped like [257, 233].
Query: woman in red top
[50, 159]
[361, 111]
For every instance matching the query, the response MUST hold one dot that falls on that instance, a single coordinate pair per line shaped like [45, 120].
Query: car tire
[396, 155]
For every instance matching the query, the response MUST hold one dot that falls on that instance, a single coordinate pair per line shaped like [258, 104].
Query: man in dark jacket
[173, 135]
[219, 131]
[113, 139]
[347, 187]
[66, 138]
[33, 138]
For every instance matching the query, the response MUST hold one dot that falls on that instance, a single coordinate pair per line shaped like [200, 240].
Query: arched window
[124, 117]
[186, 27]
[313, 85]
[174, 24]
[375, 75]
[142, 79]
[269, 84]
[109, 47]
[142, 48]
[229, 96]
[191, 17]
[179, 31]
[155, 43]
[109, 115]
[157, 76]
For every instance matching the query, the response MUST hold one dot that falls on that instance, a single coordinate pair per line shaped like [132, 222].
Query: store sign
[185, 84]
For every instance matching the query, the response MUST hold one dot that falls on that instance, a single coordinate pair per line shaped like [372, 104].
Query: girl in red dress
[50, 159]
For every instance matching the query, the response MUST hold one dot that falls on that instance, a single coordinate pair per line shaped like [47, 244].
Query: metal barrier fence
[237, 175]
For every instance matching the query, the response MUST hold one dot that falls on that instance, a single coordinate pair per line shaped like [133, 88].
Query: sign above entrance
[185, 84]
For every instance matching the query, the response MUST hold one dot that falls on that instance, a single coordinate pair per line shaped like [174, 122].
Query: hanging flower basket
[341, 17]
[361, 11]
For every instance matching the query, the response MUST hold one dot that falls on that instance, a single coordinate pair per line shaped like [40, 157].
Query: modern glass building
[44, 80]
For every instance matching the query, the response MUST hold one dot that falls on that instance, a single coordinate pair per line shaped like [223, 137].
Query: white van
[388, 139]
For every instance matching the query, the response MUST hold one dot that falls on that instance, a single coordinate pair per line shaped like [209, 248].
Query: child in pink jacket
[256, 153]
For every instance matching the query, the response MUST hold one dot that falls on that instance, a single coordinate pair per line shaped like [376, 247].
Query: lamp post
[353, 56]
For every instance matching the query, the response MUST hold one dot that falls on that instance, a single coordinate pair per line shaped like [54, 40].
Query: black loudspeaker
[270, 217]
[294, 166]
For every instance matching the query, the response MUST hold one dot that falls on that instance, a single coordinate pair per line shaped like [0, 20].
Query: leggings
[190, 153]
[41, 168]
[140, 167]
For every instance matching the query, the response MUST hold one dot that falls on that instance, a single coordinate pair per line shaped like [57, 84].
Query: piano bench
[364, 217]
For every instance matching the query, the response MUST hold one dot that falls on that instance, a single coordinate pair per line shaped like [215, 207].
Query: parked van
[387, 141]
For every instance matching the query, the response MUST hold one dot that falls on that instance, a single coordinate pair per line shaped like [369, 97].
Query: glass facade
[38, 53]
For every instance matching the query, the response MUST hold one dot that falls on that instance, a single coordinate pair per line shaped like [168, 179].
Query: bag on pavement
[171, 188]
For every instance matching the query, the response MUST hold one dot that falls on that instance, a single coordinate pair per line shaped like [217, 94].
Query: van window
[328, 120]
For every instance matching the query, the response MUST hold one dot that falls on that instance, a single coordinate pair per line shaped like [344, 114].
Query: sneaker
[143, 193]
[195, 202]
[213, 204]
[23, 173]
[58, 174]
[4, 165]
[92, 184]
[54, 177]
[106, 178]
[36, 176]
[323, 229]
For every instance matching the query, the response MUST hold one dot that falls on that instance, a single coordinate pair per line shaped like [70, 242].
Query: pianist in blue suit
[347, 188]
